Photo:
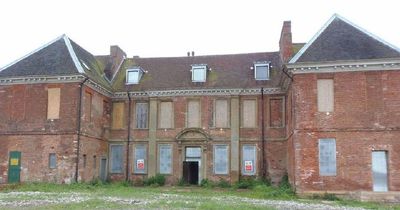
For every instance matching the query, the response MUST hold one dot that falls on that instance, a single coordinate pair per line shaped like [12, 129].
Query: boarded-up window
[52, 160]
[325, 95]
[165, 158]
[53, 103]
[276, 112]
[249, 160]
[140, 159]
[193, 114]
[87, 107]
[221, 164]
[116, 158]
[141, 115]
[249, 113]
[221, 117]
[327, 157]
[166, 114]
[118, 115]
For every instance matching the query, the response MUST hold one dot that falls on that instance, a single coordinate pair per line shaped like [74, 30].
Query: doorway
[103, 169]
[14, 167]
[192, 165]
[379, 171]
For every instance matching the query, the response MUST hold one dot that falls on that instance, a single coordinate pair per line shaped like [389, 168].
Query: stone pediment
[193, 134]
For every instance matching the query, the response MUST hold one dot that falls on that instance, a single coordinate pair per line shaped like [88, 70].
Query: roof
[224, 71]
[340, 40]
[61, 56]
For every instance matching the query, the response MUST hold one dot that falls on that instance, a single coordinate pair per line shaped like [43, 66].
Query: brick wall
[365, 118]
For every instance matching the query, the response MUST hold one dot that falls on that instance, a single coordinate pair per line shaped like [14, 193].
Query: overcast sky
[151, 28]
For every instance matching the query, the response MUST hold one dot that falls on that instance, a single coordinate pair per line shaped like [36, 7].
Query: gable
[340, 40]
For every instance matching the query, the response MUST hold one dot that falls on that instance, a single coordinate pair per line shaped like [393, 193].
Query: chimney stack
[285, 42]
[188, 54]
[192, 53]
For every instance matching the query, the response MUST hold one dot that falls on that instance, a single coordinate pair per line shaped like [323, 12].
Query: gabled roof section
[340, 40]
[62, 56]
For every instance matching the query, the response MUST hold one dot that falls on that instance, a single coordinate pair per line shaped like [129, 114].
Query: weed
[155, 181]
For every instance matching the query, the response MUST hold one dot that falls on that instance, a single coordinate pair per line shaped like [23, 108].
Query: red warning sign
[140, 164]
[248, 165]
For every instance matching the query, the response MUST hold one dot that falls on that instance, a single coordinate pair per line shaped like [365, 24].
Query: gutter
[78, 129]
[129, 137]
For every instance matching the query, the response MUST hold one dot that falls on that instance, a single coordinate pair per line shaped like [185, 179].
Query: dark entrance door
[191, 172]
[103, 169]
[14, 167]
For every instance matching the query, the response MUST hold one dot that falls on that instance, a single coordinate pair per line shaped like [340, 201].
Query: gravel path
[38, 199]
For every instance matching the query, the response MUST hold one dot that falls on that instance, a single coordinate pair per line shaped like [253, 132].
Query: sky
[166, 28]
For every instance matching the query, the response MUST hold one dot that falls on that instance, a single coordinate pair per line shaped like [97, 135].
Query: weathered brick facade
[361, 116]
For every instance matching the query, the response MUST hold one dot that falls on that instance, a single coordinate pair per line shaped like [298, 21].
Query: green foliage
[182, 182]
[206, 183]
[222, 183]
[155, 181]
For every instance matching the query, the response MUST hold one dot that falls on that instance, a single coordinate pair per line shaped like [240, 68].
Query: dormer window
[261, 70]
[199, 73]
[133, 75]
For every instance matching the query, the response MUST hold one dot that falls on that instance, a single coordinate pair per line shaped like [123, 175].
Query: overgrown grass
[245, 188]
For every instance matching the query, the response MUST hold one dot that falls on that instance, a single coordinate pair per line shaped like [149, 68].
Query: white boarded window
[141, 115]
[133, 75]
[199, 73]
[53, 103]
[261, 71]
[52, 160]
[166, 114]
[249, 159]
[221, 117]
[221, 164]
[116, 158]
[193, 114]
[325, 95]
[140, 159]
[165, 158]
[327, 157]
[249, 113]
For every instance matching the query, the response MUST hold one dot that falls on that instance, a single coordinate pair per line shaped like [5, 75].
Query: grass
[122, 195]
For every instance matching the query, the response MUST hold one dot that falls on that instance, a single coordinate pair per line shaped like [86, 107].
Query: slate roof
[341, 40]
[61, 56]
[173, 73]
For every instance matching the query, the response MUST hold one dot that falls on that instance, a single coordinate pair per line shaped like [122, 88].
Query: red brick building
[322, 115]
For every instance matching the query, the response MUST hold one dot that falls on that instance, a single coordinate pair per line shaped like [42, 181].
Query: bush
[206, 183]
[223, 184]
[96, 182]
[157, 180]
[325, 196]
[250, 183]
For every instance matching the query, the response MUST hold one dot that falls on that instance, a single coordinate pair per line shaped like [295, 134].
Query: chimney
[192, 53]
[285, 42]
[117, 55]
[188, 54]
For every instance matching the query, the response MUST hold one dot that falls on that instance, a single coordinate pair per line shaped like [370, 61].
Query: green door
[14, 167]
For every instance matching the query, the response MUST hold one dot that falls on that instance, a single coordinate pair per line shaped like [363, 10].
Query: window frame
[54, 155]
[255, 114]
[243, 169]
[323, 173]
[135, 170]
[199, 113]
[111, 159]
[228, 110]
[139, 76]
[227, 159]
[172, 121]
[262, 64]
[170, 160]
[202, 68]
[147, 115]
